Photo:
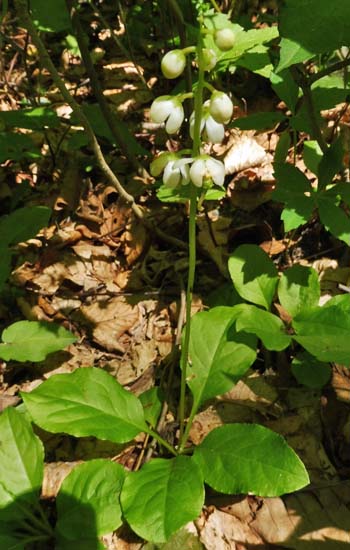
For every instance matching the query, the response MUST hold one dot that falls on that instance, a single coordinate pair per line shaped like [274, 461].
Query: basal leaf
[309, 371]
[88, 500]
[266, 326]
[299, 289]
[219, 356]
[23, 224]
[253, 274]
[242, 458]
[33, 340]
[162, 497]
[21, 467]
[88, 402]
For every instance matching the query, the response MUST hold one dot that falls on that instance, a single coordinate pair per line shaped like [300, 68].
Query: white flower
[169, 109]
[177, 172]
[221, 107]
[173, 63]
[212, 130]
[224, 39]
[159, 163]
[209, 59]
[206, 169]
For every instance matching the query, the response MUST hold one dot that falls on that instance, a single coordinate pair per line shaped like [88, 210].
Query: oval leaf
[311, 372]
[88, 500]
[299, 289]
[253, 274]
[162, 497]
[219, 356]
[242, 458]
[23, 224]
[33, 340]
[88, 402]
[266, 326]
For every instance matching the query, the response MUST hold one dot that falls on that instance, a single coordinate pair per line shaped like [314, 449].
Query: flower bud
[173, 64]
[224, 39]
[206, 170]
[209, 59]
[169, 109]
[210, 130]
[221, 107]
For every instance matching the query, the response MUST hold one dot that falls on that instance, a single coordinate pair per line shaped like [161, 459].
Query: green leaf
[291, 53]
[33, 340]
[312, 155]
[253, 274]
[299, 289]
[292, 185]
[324, 331]
[23, 224]
[17, 147]
[333, 217]
[88, 402]
[313, 25]
[162, 497]
[219, 356]
[257, 60]
[331, 163]
[266, 326]
[282, 147]
[242, 458]
[88, 500]
[10, 542]
[21, 467]
[310, 372]
[259, 121]
[32, 119]
[286, 88]
[83, 543]
[55, 19]
[152, 402]
[5, 265]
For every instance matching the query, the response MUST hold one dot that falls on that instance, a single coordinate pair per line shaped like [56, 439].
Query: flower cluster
[201, 170]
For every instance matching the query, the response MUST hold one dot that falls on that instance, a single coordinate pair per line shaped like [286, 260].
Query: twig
[328, 70]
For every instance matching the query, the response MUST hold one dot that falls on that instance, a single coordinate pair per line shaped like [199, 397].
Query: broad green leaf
[333, 217]
[259, 121]
[324, 332]
[292, 186]
[291, 53]
[298, 289]
[286, 88]
[152, 401]
[88, 402]
[21, 467]
[312, 155]
[33, 340]
[331, 163]
[282, 147]
[309, 371]
[219, 356]
[266, 326]
[162, 497]
[10, 542]
[32, 119]
[316, 25]
[242, 458]
[257, 60]
[15, 146]
[55, 19]
[88, 500]
[23, 224]
[253, 274]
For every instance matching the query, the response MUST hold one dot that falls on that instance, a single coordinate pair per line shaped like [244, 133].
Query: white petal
[221, 107]
[215, 131]
[197, 172]
[192, 125]
[216, 170]
[175, 119]
[172, 176]
[161, 108]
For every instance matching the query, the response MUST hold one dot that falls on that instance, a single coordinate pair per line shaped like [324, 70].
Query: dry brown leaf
[245, 153]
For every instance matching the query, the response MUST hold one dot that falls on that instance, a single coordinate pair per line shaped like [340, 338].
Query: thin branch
[331, 69]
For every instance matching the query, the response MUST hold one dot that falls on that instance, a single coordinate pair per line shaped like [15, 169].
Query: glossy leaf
[33, 340]
[298, 289]
[253, 274]
[88, 402]
[266, 326]
[23, 224]
[162, 497]
[242, 458]
[219, 356]
[88, 500]
[310, 372]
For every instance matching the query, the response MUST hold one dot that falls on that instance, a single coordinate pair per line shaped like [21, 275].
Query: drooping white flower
[224, 39]
[173, 64]
[159, 163]
[221, 107]
[168, 108]
[177, 172]
[205, 170]
[212, 131]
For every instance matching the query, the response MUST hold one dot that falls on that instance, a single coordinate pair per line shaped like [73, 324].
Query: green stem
[188, 427]
[162, 442]
[215, 6]
[198, 106]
